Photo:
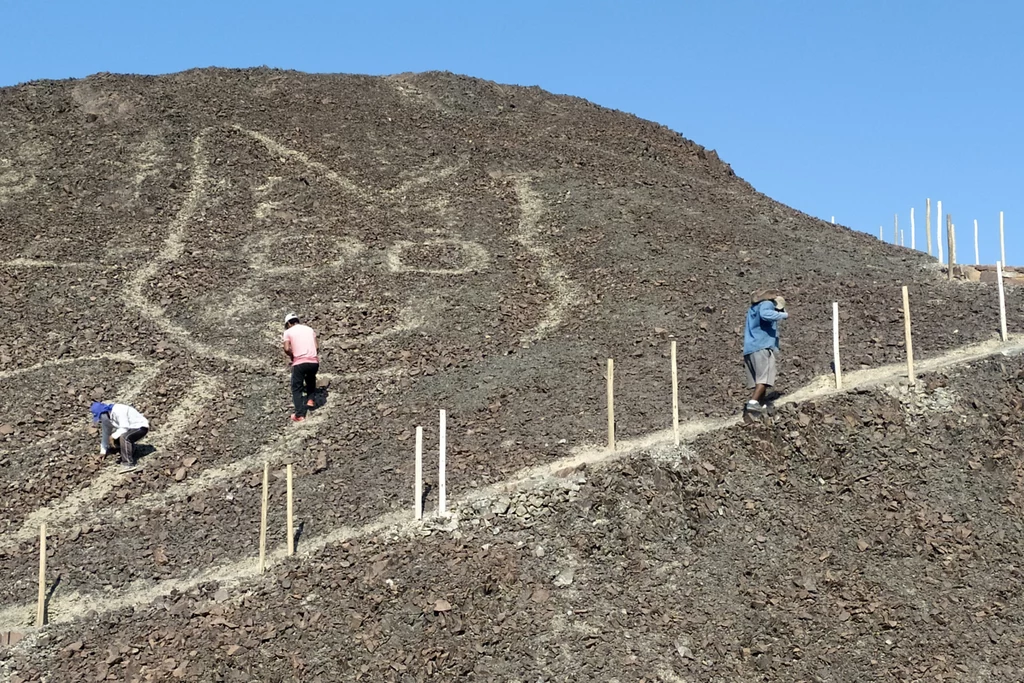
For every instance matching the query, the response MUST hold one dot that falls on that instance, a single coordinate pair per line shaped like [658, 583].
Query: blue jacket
[761, 331]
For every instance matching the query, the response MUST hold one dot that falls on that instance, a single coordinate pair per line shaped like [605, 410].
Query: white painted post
[977, 258]
[909, 341]
[1002, 243]
[903, 241]
[442, 485]
[418, 486]
[913, 232]
[41, 604]
[880, 235]
[833, 220]
[928, 223]
[938, 231]
[835, 344]
[675, 395]
[291, 517]
[1002, 302]
[611, 404]
[895, 228]
[950, 244]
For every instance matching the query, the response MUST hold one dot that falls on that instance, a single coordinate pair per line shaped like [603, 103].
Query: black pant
[303, 377]
[127, 444]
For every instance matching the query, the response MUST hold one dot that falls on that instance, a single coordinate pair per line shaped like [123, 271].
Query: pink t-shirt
[303, 343]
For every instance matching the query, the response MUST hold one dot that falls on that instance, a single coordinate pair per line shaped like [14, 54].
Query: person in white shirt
[121, 426]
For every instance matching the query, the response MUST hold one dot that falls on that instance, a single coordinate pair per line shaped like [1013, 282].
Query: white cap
[290, 317]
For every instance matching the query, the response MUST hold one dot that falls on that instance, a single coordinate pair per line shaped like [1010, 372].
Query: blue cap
[98, 409]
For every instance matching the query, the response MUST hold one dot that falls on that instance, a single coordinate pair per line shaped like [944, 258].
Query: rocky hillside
[458, 244]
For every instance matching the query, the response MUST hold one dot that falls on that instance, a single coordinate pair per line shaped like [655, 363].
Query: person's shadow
[320, 397]
[143, 450]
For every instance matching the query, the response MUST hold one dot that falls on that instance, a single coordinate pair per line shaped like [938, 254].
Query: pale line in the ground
[69, 508]
[565, 292]
[74, 605]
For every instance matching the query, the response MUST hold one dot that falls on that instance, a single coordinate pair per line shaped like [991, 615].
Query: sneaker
[753, 405]
[298, 418]
[311, 403]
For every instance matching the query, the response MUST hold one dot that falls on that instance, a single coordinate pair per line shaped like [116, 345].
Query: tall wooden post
[835, 344]
[913, 231]
[41, 603]
[977, 257]
[675, 395]
[291, 518]
[263, 517]
[611, 404]
[418, 485]
[895, 228]
[950, 252]
[928, 223]
[1002, 302]
[1002, 242]
[909, 340]
[938, 230]
[442, 466]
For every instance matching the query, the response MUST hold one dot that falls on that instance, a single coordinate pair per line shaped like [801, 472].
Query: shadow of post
[49, 596]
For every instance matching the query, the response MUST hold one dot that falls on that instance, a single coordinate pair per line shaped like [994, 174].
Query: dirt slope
[458, 244]
[816, 549]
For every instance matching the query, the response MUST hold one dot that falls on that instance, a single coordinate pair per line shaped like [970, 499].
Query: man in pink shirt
[300, 347]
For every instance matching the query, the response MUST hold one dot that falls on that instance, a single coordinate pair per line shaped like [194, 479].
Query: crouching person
[121, 427]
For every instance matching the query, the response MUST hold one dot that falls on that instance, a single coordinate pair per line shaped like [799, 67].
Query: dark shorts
[760, 367]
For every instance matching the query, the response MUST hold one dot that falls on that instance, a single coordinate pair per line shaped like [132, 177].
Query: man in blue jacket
[761, 343]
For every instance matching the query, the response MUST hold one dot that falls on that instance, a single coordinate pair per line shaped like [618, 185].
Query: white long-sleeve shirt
[124, 418]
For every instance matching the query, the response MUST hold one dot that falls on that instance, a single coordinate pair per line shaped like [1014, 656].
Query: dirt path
[68, 607]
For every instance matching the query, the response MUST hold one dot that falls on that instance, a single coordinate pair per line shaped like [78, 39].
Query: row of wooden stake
[442, 441]
[289, 498]
[898, 237]
[610, 379]
[263, 513]
[837, 364]
[442, 465]
[1003, 335]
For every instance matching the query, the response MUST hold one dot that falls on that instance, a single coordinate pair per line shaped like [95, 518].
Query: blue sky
[854, 109]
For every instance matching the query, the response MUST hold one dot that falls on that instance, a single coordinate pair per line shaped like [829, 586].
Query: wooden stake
[903, 241]
[952, 244]
[41, 605]
[675, 395]
[442, 483]
[418, 486]
[833, 220]
[835, 344]
[1002, 243]
[928, 223]
[977, 258]
[611, 404]
[913, 232]
[291, 519]
[1002, 302]
[895, 228]
[263, 517]
[880, 235]
[949, 245]
[909, 341]
[938, 230]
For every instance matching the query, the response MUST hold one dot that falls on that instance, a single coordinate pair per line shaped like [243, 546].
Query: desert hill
[458, 244]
